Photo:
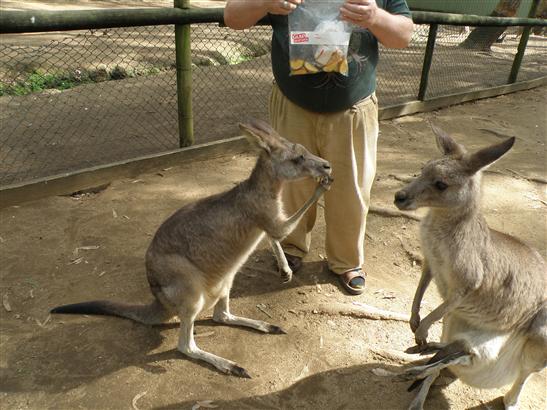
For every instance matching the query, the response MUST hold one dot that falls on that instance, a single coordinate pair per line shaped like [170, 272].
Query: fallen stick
[359, 311]
[493, 171]
[397, 356]
[528, 178]
[381, 314]
[402, 178]
[369, 236]
[496, 133]
[514, 174]
[262, 308]
[392, 213]
[136, 399]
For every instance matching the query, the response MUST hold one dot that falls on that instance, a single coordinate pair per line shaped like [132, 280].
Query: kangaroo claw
[409, 375]
[239, 372]
[326, 181]
[422, 349]
[286, 275]
[276, 330]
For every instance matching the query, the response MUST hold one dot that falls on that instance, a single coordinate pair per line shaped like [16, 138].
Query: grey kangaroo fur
[493, 286]
[195, 254]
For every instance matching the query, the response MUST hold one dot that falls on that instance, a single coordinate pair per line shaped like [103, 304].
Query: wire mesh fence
[457, 69]
[235, 81]
[86, 99]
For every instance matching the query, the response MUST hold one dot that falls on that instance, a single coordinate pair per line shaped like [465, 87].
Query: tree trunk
[482, 38]
[541, 13]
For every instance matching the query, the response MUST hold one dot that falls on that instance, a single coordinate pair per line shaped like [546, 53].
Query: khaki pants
[348, 141]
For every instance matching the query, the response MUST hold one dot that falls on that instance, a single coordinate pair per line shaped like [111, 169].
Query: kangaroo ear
[253, 136]
[486, 156]
[445, 143]
[261, 135]
[264, 127]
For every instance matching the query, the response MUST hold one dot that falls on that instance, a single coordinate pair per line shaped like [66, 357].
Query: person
[333, 116]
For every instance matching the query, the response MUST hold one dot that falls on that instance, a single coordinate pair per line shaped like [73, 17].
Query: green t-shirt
[330, 92]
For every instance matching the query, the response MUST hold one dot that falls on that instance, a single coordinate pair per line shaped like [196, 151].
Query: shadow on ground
[354, 387]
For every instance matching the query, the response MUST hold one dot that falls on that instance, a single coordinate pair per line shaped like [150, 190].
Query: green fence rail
[32, 21]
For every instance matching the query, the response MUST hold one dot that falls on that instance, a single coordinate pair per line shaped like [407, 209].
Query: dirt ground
[67, 249]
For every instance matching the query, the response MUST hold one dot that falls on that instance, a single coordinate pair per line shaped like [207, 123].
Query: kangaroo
[195, 254]
[493, 286]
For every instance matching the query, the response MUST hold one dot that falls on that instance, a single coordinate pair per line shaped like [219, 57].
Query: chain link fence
[86, 99]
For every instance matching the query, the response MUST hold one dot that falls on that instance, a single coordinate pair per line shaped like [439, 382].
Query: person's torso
[330, 92]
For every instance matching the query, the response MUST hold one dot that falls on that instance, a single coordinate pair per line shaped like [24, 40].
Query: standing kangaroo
[493, 286]
[195, 254]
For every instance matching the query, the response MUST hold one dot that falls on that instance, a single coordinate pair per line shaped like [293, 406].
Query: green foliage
[39, 80]
[118, 73]
[238, 59]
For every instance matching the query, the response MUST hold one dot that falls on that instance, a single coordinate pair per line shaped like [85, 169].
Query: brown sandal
[353, 281]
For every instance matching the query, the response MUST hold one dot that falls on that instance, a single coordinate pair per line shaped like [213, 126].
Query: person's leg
[297, 125]
[348, 140]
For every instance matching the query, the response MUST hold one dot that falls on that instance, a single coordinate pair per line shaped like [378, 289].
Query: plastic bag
[318, 38]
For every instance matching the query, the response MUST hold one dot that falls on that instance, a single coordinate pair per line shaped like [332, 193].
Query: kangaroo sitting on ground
[195, 254]
[493, 286]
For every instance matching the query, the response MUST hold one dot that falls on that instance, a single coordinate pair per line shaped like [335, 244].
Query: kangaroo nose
[400, 196]
[326, 165]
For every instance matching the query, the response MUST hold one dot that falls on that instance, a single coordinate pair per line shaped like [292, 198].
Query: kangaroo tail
[151, 314]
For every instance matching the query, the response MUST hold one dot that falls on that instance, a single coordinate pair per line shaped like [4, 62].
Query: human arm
[392, 30]
[242, 14]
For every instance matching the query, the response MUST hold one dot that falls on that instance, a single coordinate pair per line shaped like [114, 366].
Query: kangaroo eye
[298, 159]
[440, 185]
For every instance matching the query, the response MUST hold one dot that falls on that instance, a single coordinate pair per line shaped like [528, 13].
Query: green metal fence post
[184, 79]
[522, 45]
[428, 58]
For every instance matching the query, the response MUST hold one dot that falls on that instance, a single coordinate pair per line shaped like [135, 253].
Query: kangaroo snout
[325, 178]
[402, 200]
[327, 168]
[321, 168]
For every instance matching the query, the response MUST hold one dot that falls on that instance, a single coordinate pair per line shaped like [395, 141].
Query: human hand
[362, 13]
[282, 7]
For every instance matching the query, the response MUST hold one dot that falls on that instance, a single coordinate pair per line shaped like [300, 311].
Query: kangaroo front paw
[423, 349]
[414, 322]
[420, 335]
[325, 182]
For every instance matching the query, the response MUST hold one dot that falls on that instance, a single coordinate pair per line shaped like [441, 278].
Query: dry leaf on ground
[205, 404]
[135, 399]
[5, 302]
